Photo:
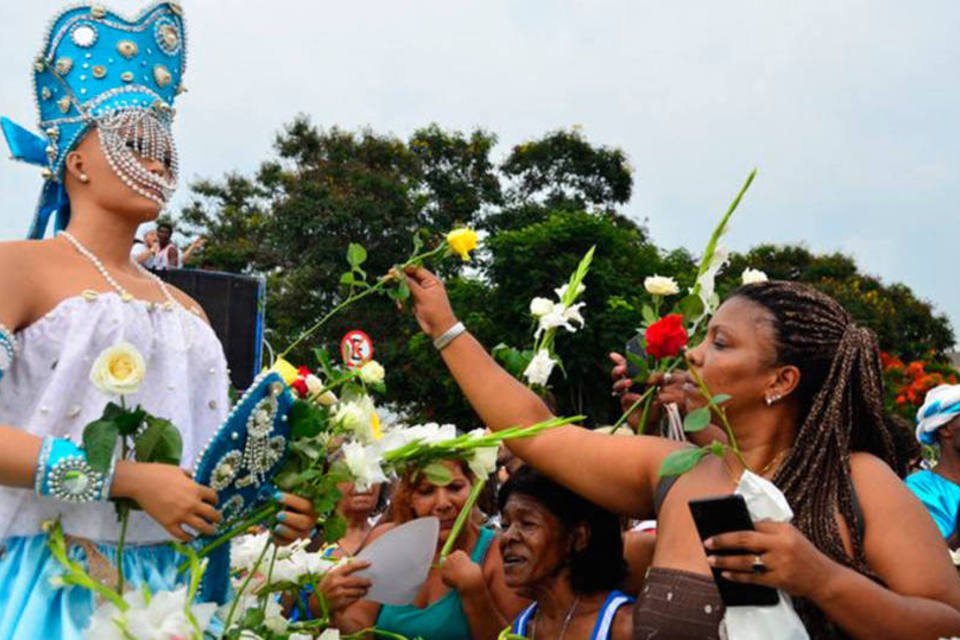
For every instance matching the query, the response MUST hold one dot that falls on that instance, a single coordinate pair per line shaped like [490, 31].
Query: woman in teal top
[464, 599]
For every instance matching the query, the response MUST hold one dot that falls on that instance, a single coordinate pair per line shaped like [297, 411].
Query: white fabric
[139, 248]
[779, 622]
[163, 260]
[940, 406]
[47, 391]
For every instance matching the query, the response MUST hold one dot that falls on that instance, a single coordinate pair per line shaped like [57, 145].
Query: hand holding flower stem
[356, 258]
[462, 518]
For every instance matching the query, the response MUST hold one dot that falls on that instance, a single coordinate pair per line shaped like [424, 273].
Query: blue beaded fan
[240, 462]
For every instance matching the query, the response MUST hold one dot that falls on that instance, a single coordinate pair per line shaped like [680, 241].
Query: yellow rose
[119, 369]
[462, 242]
[286, 370]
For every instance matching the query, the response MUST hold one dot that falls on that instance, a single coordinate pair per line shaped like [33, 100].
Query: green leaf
[643, 369]
[697, 420]
[112, 411]
[718, 449]
[649, 317]
[99, 441]
[347, 278]
[306, 420]
[690, 307]
[356, 254]
[437, 473]
[417, 243]
[334, 529]
[719, 399]
[159, 442]
[130, 421]
[679, 462]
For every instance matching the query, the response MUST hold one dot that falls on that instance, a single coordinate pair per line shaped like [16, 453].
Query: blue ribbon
[28, 147]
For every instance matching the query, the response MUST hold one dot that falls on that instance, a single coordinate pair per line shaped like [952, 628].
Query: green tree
[294, 220]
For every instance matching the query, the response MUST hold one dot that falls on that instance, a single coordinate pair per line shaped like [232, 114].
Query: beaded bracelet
[8, 347]
[64, 473]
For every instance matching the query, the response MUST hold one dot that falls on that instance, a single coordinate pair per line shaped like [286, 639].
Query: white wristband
[448, 336]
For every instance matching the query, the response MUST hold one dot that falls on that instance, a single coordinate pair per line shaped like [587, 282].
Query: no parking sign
[356, 348]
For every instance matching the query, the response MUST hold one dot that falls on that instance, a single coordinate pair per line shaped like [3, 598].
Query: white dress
[46, 391]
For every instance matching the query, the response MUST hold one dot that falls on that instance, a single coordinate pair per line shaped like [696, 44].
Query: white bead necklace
[125, 295]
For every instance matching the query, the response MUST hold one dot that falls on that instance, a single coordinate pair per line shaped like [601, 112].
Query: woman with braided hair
[806, 410]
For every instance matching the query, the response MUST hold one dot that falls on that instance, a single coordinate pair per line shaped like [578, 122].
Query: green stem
[124, 509]
[244, 585]
[705, 392]
[626, 414]
[462, 518]
[359, 296]
[259, 516]
[646, 414]
[273, 562]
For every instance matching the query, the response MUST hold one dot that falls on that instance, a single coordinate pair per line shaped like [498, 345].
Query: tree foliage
[543, 207]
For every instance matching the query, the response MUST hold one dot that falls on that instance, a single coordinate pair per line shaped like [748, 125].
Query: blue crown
[95, 62]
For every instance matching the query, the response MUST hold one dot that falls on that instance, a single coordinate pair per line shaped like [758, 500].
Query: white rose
[244, 550]
[119, 369]
[357, 416]
[372, 372]
[540, 307]
[364, 464]
[751, 276]
[329, 634]
[314, 384]
[540, 368]
[483, 461]
[327, 399]
[661, 285]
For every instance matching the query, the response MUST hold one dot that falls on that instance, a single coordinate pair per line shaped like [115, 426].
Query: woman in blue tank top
[465, 598]
[567, 554]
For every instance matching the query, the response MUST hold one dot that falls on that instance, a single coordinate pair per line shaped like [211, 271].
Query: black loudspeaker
[234, 304]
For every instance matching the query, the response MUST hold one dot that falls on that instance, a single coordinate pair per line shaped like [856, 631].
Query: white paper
[400, 561]
[779, 622]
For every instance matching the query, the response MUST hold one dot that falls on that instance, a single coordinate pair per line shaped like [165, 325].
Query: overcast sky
[849, 109]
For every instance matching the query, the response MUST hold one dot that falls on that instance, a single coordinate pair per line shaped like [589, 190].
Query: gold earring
[84, 178]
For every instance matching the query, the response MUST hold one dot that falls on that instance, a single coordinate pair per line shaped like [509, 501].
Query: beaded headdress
[99, 68]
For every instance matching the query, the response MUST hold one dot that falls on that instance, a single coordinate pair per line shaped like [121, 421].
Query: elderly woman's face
[737, 355]
[358, 501]
[444, 502]
[534, 545]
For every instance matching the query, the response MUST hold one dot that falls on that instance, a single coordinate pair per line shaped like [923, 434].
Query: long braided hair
[841, 397]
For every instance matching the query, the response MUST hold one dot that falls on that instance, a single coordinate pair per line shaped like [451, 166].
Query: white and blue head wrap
[941, 405]
[98, 68]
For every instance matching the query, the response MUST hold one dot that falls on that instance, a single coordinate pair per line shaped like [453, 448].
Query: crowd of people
[559, 554]
[156, 251]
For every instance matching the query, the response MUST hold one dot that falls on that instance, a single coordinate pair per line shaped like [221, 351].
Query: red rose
[300, 387]
[666, 337]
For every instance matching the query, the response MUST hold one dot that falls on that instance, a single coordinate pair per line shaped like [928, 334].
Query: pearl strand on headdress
[125, 295]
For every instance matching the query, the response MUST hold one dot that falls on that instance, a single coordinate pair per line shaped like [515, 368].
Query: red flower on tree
[666, 337]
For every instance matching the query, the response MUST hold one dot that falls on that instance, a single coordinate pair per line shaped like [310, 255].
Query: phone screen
[723, 515]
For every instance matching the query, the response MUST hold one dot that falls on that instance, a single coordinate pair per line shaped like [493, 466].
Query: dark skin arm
[616, 473]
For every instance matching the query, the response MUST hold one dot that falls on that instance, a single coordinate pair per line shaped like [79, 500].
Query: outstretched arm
[616, 473]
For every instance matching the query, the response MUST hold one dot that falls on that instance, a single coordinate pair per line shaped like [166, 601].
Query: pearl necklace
[125, 295]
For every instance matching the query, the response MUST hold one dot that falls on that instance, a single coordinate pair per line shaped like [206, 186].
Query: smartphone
[634, 346]
[723, 515]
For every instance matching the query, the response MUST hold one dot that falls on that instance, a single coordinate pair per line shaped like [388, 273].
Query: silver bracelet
[442, 341]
